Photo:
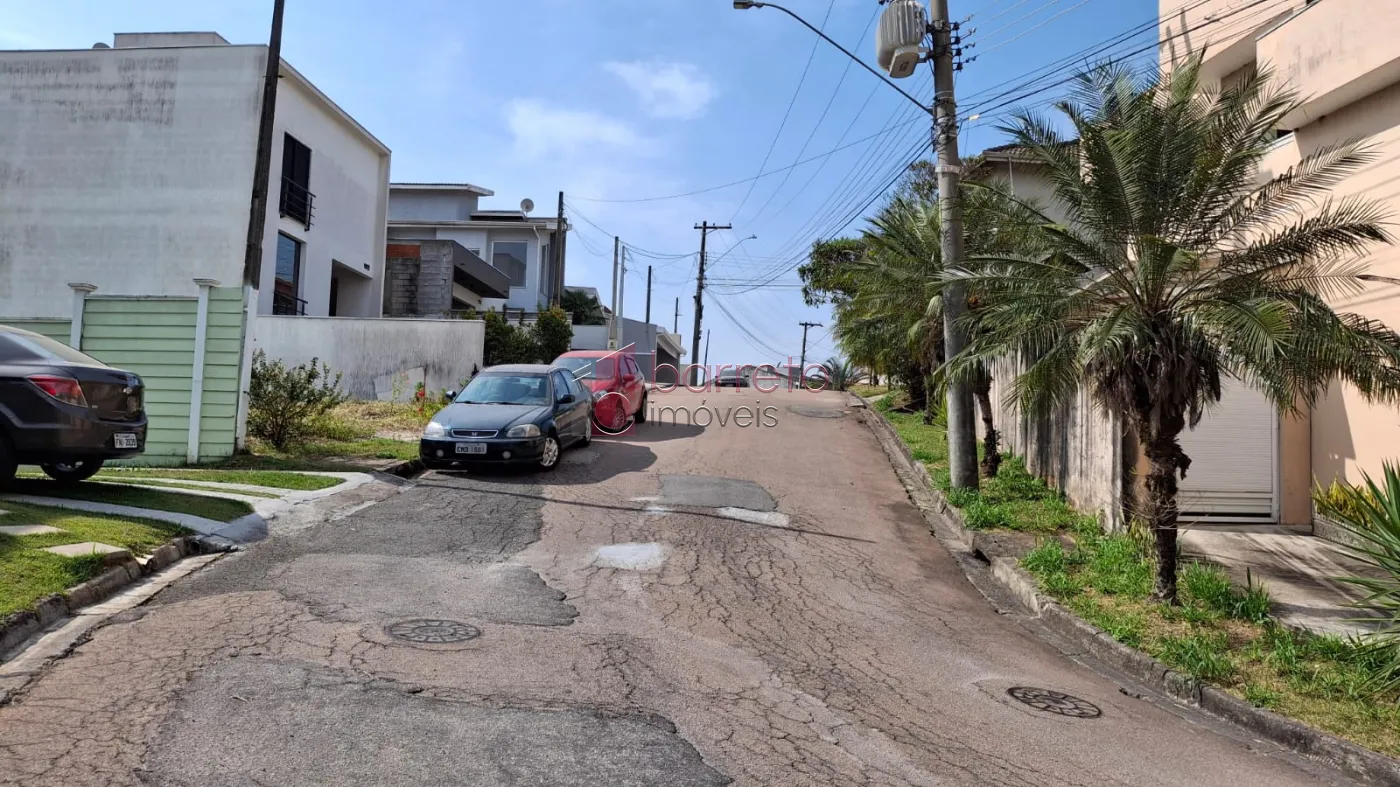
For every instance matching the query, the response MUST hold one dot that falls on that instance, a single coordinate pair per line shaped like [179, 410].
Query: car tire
[641, 416]
[552, 453]
[587, 431]
[72, 472]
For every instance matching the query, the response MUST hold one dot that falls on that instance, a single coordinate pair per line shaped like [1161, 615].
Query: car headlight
[598, 395]
[524, 430]
[434, 429]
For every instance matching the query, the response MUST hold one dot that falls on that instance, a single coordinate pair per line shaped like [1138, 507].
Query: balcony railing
[287, 304]
[297, 202]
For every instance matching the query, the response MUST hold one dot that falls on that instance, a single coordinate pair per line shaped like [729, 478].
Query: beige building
[1343, 58]
[1250, 464]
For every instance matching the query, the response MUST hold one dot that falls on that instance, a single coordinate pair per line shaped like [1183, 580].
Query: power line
[795, 93]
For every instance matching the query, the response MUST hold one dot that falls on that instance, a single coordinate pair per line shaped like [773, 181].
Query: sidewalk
[1298, 569]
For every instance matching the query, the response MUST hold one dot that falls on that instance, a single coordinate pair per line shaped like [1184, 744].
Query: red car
[619, 389]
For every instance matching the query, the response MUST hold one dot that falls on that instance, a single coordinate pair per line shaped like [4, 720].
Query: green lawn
[268, 478]
[28, 574]
[215, 508]
[868, 391]
[1222, 634]
[1013, 500]
[325, 449]
[162, 483]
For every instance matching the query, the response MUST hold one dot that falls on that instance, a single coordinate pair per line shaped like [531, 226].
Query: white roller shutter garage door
[1234, 460]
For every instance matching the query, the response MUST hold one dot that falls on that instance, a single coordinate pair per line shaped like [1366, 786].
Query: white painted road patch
[770, 518]
[636, 557]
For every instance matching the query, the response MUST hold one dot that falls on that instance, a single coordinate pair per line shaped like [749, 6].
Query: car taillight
[64, 389]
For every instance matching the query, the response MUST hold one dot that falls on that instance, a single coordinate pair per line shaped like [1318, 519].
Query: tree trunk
[991, 448]
[1165, 459]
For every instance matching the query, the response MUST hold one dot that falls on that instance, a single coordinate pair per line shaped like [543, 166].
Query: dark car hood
[488, 416]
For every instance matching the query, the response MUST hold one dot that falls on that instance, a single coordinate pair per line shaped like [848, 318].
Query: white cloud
[667, 90]
[540, 130]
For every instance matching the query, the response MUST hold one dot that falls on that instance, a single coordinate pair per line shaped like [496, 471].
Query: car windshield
[532, 389]
[588, 368]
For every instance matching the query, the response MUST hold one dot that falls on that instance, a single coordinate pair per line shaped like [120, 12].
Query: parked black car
[62, 410]
[514, 414]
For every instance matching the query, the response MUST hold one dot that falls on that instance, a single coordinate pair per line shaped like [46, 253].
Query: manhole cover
[816, 412]
[1055, 702]
[432, 632]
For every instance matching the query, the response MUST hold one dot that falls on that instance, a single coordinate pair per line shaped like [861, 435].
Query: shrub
[552, 334]
[283, 401]
[506, 343]
[1371, 517]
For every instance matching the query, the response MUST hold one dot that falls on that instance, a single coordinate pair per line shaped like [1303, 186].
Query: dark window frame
[288, 300]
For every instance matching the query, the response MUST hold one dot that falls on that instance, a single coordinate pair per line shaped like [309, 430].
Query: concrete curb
[122, 570]
[1360, 763]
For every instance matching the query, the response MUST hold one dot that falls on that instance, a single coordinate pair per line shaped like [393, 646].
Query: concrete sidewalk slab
[28, 530]
[1299, 570]
[83, 549]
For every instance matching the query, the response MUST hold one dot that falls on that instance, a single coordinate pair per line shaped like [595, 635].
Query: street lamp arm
[843, 49]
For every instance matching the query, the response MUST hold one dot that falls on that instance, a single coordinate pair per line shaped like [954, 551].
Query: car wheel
[74, 471]
[641, 416]
[549, 457]
[588, 431]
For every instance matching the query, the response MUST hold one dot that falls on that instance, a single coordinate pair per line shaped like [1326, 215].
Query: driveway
[686, 605]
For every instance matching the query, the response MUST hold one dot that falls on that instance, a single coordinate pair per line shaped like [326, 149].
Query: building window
[297, 202]
[509, 258]
[286, 287]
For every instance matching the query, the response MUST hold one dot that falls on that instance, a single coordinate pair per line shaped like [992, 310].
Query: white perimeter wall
[127, 169]
[350, 179]
[368, 352]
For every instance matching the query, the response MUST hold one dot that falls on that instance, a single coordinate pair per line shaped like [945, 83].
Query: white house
[513, 241]
[130, 168]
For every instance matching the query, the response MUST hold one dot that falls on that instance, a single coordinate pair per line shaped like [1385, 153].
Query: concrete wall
[370, 352]
[350, 178]
[1224, 29]
[432, 205]
[1078, 448]
[129, 169]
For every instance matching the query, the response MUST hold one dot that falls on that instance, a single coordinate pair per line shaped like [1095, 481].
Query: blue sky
[614, 100]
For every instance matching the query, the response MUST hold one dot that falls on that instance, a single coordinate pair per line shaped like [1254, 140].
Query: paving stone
[27, 530]
[85, 548]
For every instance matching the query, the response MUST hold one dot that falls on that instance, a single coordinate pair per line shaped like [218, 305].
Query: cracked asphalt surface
[844, 647]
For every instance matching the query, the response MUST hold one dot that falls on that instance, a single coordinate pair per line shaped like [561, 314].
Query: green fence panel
[58, 330]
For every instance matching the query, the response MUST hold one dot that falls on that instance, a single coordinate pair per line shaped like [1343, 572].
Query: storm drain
[432, 632]
[1055, 702]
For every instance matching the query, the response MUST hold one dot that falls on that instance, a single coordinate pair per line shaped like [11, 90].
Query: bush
[552, 334]
[284, 401]
[506, 343]
[1371, 517]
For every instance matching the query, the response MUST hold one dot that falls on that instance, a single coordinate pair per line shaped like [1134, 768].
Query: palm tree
[583, 307]
[840, 373]
[1175, 268]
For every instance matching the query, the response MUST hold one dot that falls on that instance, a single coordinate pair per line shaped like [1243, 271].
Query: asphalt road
[758, 605]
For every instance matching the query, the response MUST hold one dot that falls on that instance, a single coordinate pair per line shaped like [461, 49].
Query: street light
[899, 49]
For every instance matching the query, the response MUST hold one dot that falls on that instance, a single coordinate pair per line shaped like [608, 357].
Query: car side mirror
[452, 396]
[566, 399]
[629, 378]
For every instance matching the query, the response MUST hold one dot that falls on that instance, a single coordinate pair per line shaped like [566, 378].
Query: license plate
[471, 448]
[124, 440]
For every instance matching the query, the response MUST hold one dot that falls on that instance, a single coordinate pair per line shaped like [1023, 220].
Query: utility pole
[558, 254]
[676, 326]
[707, 349]
[802, 364]
[648, 295]
[612, 318]
[705, 228]
[262, 159]
[962, 430]
[622, 298]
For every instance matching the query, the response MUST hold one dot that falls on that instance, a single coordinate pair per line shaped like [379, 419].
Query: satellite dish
[527, 205]
[100, 45]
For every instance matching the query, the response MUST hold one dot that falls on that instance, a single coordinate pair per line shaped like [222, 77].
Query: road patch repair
[635, 557]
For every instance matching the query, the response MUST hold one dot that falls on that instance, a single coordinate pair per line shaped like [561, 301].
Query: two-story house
[130, 168]
[513, 242]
